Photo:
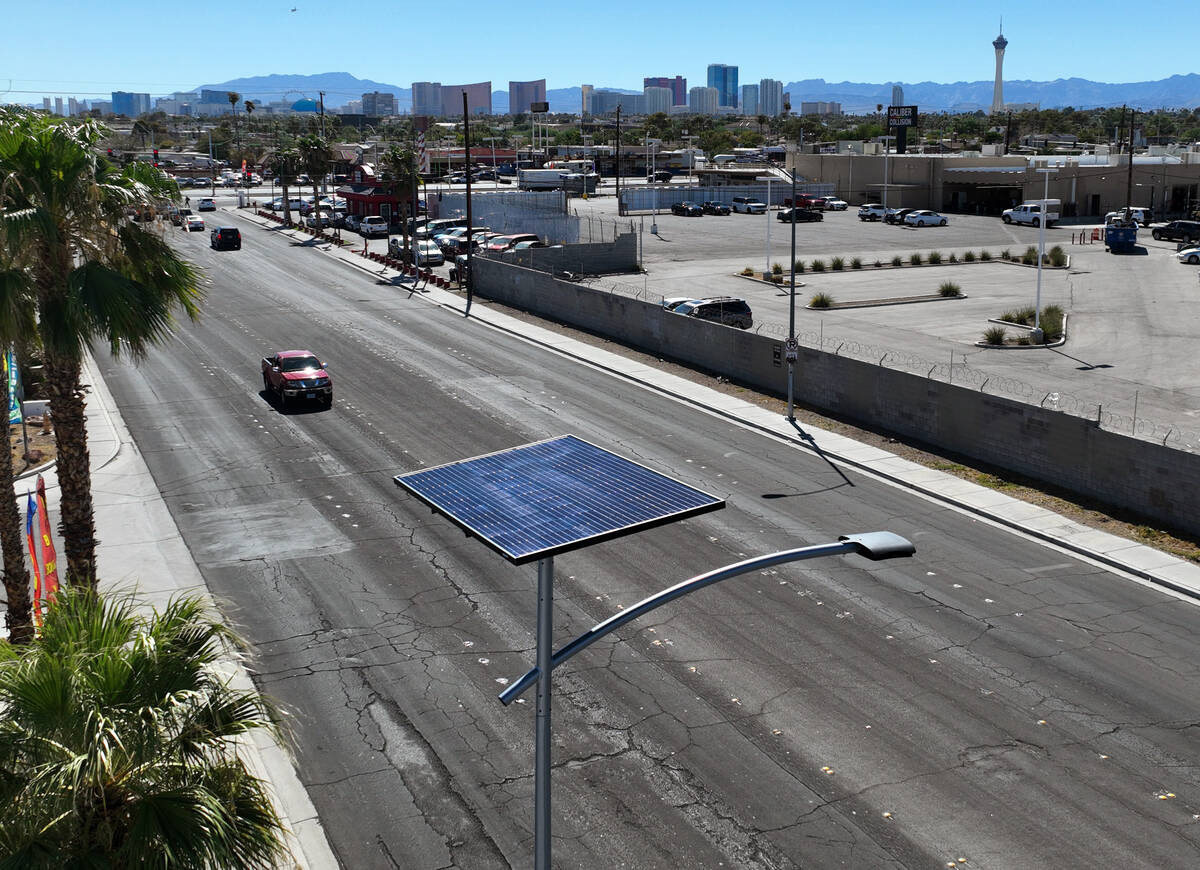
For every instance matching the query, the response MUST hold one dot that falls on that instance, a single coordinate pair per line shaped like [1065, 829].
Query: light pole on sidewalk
[1037, 336]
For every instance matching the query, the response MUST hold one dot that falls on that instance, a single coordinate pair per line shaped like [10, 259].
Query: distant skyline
[89, 49]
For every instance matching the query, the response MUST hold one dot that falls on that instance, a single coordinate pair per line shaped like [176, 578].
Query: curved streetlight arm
[875, 546]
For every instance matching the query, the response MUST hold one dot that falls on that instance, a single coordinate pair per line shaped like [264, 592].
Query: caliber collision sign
[902, 116]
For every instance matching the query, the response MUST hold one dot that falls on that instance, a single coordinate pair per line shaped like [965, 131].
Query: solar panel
[553, 496]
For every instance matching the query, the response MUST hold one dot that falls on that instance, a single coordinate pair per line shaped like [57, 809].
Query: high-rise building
[130, 105]
[820, 108]
[585, 91]
[58, 106]
[427, 99]
[725, 79]
[678, 86]
[606, 103]
[521, 95]
[479, 99]
[897, 95]
[378, 104]
[658, 100]
[72, 106]
[770, 97]
[999, 43]
[750, 99]
[704, 101]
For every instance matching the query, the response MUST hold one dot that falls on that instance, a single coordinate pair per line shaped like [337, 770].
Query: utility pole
[1129, 176]
[321, 102]
[467, 163]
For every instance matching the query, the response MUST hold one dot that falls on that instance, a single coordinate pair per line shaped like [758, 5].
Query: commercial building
[657, 100]
[897, 95]
[606, 103]
[427, 99]
[770, 98]
[678, 86]
[521, 95]
[703, 101]
[378, 105]
[750, 100]
[820, 108]
[724, 79]
[585, 92]
[131, 105]
[479, 99]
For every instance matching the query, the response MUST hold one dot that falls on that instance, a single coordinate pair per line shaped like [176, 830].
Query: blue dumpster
[1120, 239]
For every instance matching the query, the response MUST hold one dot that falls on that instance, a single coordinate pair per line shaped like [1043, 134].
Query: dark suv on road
[1178, 231]
[225, 237]
[719, 309]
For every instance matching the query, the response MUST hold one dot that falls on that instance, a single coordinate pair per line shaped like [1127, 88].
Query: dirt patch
[40, 450]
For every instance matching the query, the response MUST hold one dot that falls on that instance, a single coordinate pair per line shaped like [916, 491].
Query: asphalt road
[991, 701]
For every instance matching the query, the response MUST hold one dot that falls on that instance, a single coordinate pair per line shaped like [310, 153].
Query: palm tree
[118, 743]
[233, 97]
[16, 322]
[285, 162]
[400, 167]
[95, 275]
[315, 155]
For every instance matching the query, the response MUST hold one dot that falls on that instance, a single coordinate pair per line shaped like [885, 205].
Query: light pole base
[1037, 335]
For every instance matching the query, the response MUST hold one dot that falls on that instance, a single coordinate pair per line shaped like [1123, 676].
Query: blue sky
[89, 49]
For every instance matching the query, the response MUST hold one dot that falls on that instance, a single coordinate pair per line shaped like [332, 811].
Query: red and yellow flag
[49, 557]
[30, 510]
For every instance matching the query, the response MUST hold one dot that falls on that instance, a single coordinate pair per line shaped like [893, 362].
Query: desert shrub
[1052, 321]
[953, 257]
[820, 300]
[1030, 257]
[986, 255]
[856, 263]
[934, 258]
[776, 268]
[949, 288]
[1019, 315]
[994, 335]
[878, 263]
[817, 266]
[837, 264]
[969, 256]
[777, 279]
[897, 260]
[914, 258]
[798, 266]
[747, 271]
[1058, 257]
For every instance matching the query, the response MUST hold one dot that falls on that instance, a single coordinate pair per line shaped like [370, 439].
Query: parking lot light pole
[1037, 336]
[767, 179]
[791, 351]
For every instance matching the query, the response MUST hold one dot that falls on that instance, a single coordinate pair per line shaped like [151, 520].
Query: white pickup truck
[1033, 212]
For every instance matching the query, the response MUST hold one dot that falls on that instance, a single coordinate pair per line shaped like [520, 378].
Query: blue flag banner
[14, 386]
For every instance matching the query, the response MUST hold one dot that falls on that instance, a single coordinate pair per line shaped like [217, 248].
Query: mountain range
[1177, 91]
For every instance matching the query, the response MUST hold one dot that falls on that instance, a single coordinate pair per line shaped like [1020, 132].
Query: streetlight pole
[1038, 336]
[791, 349]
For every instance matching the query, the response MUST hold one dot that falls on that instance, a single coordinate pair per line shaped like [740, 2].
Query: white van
[748, 205]
[1140, 215]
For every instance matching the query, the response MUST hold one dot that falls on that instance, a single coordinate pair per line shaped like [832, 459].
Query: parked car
[672, 302]
[1178, 231]
[454, 233]
[319, 219]
[225, 238]
[897, 215]
[195, 223]
[1141, 215]
[662, 176]
[351, 222]
[439, 225]
[1191, 256]
[748, 205]
[725, 310]
[523, 246]
[180, 215]
[457, 178]
[373, 225]
[805, 200]
[206, 205]
[503, 243]
[713, 207]
[835, 204]
[924, 218]
[872, 211]
[799, 215]
[687, 209]
[424, 251]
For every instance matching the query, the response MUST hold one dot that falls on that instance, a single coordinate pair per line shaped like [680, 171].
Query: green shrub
[776, 268]
[897, 261]
[817, 266]
[969, 256]
[934, 258]
[777, 279]
[1019, 315]
[914, 258]
[1030, 257]
[837, 264]
[1052, 322]
[1005, 254]
[747, 271]
[856, 263]
[949, 288]
[820, 300]
[986, 255]
[953, 257]
[798, 266]
[1058, 257]
[878, 263]
[994, 335]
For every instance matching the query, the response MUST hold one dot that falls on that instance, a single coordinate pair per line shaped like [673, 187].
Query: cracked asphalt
[992, 702]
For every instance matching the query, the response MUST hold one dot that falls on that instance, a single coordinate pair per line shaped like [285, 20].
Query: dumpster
[1120, 239]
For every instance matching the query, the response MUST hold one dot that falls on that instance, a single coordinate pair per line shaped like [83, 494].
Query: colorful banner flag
[49, 557]
[31, 510]
[13, 373]
[422, 155]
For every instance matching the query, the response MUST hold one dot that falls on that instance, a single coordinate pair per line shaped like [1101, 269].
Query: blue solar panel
[553, 496]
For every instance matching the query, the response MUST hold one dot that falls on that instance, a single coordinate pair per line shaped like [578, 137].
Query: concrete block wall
[1159, 483]
[597, 258]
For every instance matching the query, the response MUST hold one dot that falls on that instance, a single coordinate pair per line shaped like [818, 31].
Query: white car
[836, 205]
[872, 211]
[924, 218]
[748, 205]
[1191, 256]
[195, 223]
[427, 253]
[373, 225]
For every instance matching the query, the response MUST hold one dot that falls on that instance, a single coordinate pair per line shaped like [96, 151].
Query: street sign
[791, 355]
[791, 344]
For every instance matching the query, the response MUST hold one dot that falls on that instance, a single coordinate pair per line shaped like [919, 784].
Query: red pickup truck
[297, 375]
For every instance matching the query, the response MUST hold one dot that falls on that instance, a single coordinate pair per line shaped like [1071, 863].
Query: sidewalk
[1142, 564]
[140, 548]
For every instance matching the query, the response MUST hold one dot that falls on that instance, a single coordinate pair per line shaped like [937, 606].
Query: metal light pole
[654, 189]
[1037, 335]
[768, 215]
[791, 349]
